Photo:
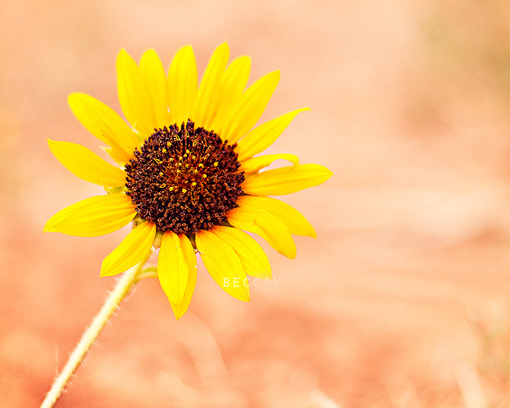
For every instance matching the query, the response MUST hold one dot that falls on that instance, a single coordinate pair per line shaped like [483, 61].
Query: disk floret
[184, 179]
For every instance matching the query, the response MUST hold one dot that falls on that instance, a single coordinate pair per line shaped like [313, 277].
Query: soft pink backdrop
[403, 298]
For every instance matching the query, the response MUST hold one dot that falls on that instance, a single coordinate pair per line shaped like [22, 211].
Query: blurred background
[403, 300]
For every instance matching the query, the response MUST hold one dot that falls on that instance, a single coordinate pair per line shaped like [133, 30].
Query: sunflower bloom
[186, 174]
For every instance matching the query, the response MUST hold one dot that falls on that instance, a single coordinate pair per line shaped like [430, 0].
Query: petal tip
[291, 254]
[71, 96]
[178, 316]
[328, 173]
[150, 53]
[122, 56]
[186, 50]
[179, 311]
[243, 294]
[50, 226]
[107, 270]
[73, 99]
[273, 77]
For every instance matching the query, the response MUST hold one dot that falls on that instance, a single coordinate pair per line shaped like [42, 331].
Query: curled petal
[286, 180]
[266, 225]
[292, 218]
[133, 249]
[93, 216]
[223, 264]
[87, 165]
[252, 256]
[257, 163]
[263, 136]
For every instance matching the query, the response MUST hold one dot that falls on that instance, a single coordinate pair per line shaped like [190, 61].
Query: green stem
[124, 285]
[151, 272]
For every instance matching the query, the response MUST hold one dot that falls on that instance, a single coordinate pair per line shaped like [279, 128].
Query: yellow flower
[186, 173]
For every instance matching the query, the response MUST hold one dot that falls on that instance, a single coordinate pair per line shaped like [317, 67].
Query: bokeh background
[403, 300]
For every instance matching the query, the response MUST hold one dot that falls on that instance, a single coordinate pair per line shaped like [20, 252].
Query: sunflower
[186, 175]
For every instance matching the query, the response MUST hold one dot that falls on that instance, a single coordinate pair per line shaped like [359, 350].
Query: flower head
[186, 175]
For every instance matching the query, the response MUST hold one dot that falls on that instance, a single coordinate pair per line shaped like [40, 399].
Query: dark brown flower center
[184, 180]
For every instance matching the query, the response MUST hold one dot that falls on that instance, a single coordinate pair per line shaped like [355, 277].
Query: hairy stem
[124, 285]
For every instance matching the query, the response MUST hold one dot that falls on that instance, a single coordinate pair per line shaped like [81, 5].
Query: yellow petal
[182, 85]
[223, 265]
[133, 249]
[120, 159]
[286, 180]
[172, 268]
[191, 260]
[232, 86]
[263, 136]
[292, 218]
[134, 95]
[105, 124]
[249, 108]
[87, 165]
[256, 163]
[252, 256]
[208, 97]
[266, 225]
[153, 72]
[93, 216]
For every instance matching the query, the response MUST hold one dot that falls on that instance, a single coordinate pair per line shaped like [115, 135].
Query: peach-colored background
[403, 299]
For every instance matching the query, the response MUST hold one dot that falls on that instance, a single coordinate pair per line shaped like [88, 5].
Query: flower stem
[124, 285]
